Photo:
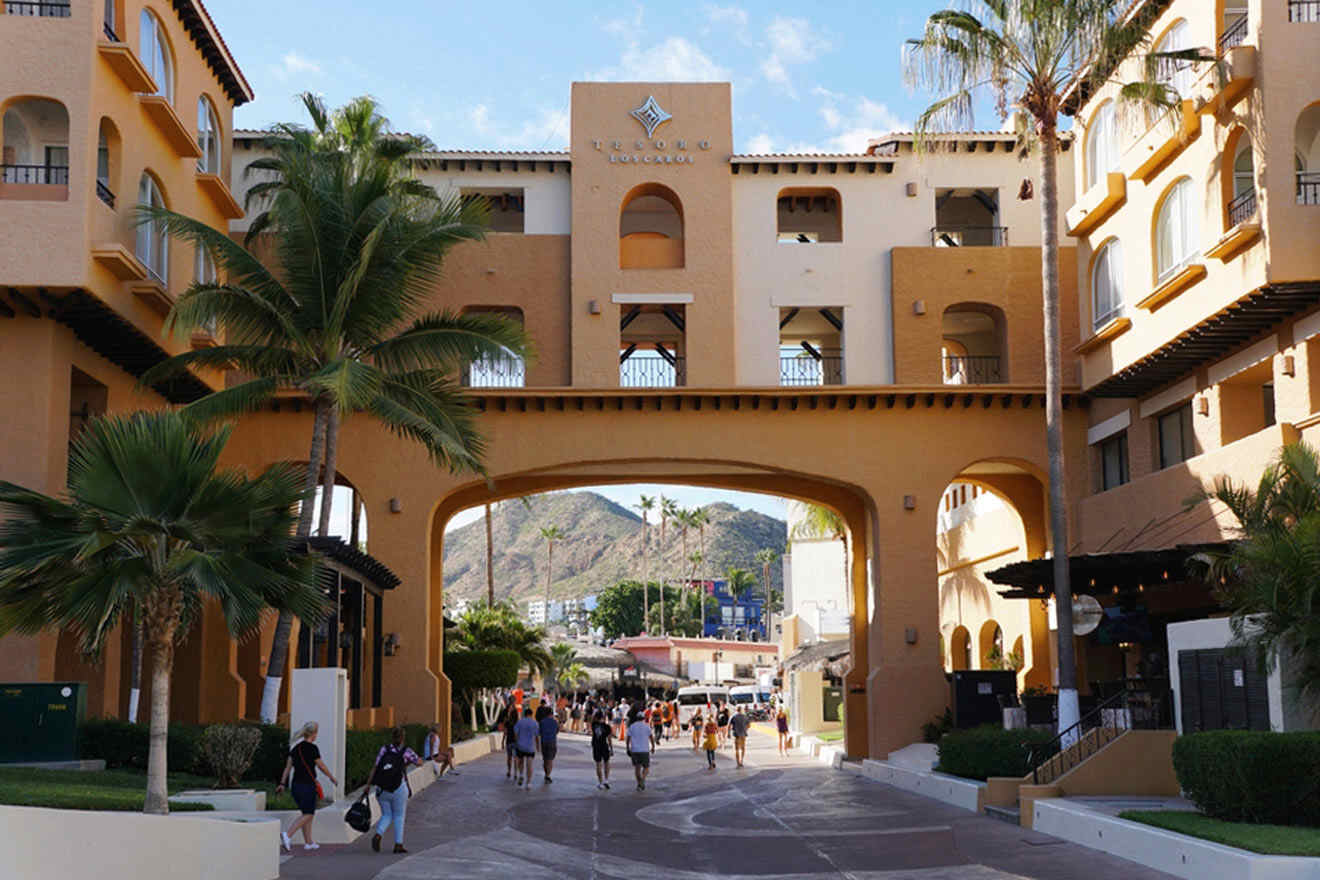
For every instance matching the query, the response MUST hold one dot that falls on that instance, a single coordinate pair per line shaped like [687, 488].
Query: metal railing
[40, 174]
[35, 8]
[1149, 709]
[1233, 35]
[806, 370]
[649, 372]
[104, 194]
[1308, 186]
[1304, 10]
[110, 32]
[1242, 208]
[505, 372]
[961, 369]
[969, 236]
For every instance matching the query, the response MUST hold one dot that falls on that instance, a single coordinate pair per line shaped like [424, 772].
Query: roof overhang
[365, 566]
[1098, 574]
[212, 46]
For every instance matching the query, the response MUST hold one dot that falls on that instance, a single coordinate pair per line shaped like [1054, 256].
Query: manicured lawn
[1283, 840]
[108, 789]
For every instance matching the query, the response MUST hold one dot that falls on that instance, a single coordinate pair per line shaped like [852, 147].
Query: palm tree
[1028, 54]
[498, 627]
[356, 248]
[1269, 578]
[701, 519]
[683, 516]
[740, 581]
[766, 556]
[550, 534]
[490, 561]
[646, 503]
[151, 531]
[819, 521]
[668, 511]
[563, 660]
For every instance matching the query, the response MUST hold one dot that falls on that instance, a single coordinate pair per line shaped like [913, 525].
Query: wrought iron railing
[41, 174]
[505, 372]
[1233, 35]
[806, 370]
[961, 369]
[1304, 10]
[1149, 709]
[35, 8]
[110, 32]
[1308, 185]
[652, 372]
[104, 194]
[969, 236]
[1242, 208]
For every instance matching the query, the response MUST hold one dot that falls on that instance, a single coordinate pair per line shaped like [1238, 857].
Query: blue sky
[806, 77]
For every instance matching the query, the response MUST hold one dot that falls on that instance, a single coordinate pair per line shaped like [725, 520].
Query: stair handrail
[1071, 735]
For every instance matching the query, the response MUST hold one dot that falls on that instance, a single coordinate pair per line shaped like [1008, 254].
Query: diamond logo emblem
[650, 115]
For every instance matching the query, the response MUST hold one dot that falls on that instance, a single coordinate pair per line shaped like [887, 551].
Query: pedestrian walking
[781, 725]
[306, 791]
[549, 739]
[525, 735]
[602, 748]
[739, 724]
[440, 757]
[696, 724]
[657, 724]
[390, 776]
[639, 748]
[617, 716]
[507, 722]
[722, 722]
[666, 712]
[710, 743]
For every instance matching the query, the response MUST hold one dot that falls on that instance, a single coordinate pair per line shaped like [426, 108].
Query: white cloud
[547, 130]
[674, 59]
[294, 65]
[791, 41]
[762, 143]
[850, 121]
[733, 18]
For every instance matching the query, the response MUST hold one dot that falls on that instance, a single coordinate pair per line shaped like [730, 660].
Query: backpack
[389, 769]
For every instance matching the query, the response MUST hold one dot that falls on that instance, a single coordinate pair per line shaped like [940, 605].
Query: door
[1221, 690]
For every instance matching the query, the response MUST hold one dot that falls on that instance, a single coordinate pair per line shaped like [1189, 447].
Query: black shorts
[640, 759]
[521, 754]
[549, 750]
[600, 753]
[509, 748]
[304, 795]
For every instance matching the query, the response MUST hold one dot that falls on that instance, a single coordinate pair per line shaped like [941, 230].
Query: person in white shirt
[639, 748]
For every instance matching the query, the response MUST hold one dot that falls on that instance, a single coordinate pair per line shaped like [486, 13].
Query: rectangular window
[506, 207]
[1113, 461]
[1177, 440]
[1267, 397]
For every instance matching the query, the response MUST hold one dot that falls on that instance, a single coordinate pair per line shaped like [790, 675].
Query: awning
[1096, 574]
[833, 656]
[365, 566]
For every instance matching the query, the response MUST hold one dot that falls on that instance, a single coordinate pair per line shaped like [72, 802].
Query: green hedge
[364, 745]
[1251, 776]
[982, 752]
[122, 744]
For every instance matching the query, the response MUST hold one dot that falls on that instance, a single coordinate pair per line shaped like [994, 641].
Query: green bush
[935, 728]
[982, 752]
[122, 744]
[272, 752]
[1251, 776]
[228, 750]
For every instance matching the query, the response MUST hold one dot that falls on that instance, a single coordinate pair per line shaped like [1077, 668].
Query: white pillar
[321, 695]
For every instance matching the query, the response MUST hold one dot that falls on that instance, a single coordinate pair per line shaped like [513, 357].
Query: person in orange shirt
[710, 742]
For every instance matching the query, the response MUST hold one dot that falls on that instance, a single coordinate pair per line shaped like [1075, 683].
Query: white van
[745, 695]
[698, 696]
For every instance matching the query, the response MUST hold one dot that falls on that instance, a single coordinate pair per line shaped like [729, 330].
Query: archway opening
[974, 342]
[34, 150]
[651, 228]
[1307, 155]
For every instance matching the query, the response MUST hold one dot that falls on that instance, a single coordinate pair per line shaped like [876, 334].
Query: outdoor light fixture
[919, 307]
[911, 189]
[396, 506]
[1203, 405]
[593, 306]
[910, 635]
[390, 646]
[909, 502]
[1289, 365]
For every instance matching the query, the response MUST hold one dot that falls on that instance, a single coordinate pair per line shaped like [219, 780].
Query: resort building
[861, 331]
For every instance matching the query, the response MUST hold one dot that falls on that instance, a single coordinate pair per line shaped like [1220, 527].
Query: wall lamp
[390, 646]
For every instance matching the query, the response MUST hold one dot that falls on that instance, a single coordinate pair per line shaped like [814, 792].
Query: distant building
[536, 612]
[730, 617]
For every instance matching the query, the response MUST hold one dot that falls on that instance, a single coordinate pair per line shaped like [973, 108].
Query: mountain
[603, 543]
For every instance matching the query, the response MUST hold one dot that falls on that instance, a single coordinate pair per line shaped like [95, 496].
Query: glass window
[208, 137]
[1177, 230]
[1177, 74]
[103, 160]
[152, 241]
[1267, 398]
[1244, 178]
[1177, 441]
[1107, 284]
[155, 54]
[1114, 461]
[1101, 144]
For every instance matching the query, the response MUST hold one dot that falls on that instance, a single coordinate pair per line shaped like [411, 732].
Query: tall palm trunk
[328, 472]
[1049, 238]
[490, 563]
[660, 558]
[279, 647]
[549, 566]
[162, 619]
[135, 669]
[646, 584]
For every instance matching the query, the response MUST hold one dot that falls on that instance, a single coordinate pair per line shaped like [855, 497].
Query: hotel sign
[651, 150]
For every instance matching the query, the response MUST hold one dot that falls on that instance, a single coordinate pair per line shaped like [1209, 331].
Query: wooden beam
[792, 313]
[674, 317]
[629, 317]
[835, 322]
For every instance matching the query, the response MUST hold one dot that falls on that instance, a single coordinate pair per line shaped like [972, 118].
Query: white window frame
[1179, 75]
[153, 243]
[1107, 277]
[155, 53]
[1102, 144]
[208, 137]
[1179, 246]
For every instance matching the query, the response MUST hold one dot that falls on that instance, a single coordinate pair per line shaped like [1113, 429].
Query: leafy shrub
[228, 750]
[272, 751]
[123, 744]
[932, 730]
[982, 752]
[1251, 776]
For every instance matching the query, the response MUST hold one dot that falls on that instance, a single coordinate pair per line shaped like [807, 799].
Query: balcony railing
[649, 372]
[104, 194]
[44, 8]
[969, 236]
[971, 370]
[1304, 10]
[506, 372]
[805, 370]
[1242, 208]
[1308, 186]
[1233, 35]
[109, 32]
[39, 174]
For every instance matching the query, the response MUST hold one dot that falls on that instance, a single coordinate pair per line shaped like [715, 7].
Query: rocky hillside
[602, 544]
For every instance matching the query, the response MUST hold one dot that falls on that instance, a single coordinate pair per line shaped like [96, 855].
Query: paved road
[777, 819]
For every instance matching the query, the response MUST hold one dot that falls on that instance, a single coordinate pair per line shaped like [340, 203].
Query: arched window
[107, 161]
[152, 241]
[1107, 284]
[651, 228]
[974, 344]
[1173, 73]
[1101, 144]
[1244, 174]
[155, 53]
[208, 137]
[1177, 230]
[1306, 138]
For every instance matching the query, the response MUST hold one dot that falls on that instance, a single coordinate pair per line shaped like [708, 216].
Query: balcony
[1224, 83]
[1241, 231]
[1308, 187]
[504, 372]
[126, 65]
[1304, 10]
[801, 370]
[971, 370]
[666, 371]
[1096, 204]
[171, 126]
[36, 183]
[43, 9]
[1233, 35]
[218, 192]
[638, 252]
[969, 236]
[1168, 137]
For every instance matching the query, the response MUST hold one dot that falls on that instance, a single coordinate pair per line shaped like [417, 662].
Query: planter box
[232, 800]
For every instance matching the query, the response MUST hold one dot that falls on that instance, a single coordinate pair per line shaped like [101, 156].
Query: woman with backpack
[303, 762]
[390, 774]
